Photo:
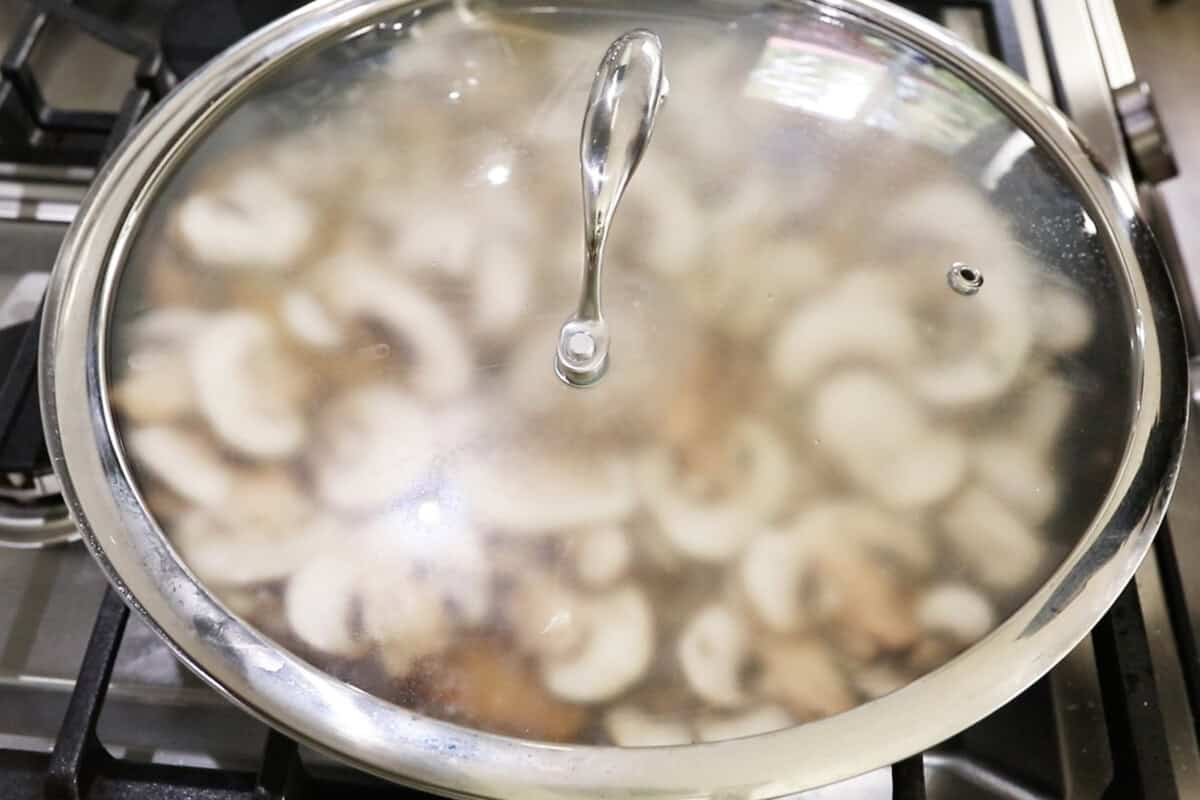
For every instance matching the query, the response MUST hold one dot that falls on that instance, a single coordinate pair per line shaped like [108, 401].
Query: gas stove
[93, 705]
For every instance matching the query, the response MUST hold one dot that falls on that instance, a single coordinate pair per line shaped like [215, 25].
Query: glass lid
[869, 371]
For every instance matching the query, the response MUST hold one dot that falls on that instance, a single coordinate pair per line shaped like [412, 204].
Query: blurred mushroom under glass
[870, 372]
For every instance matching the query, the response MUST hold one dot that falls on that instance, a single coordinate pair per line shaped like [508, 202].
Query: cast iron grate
[80, 768]
[32, 131]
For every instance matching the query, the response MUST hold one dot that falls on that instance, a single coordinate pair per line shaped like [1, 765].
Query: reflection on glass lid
[870, 373]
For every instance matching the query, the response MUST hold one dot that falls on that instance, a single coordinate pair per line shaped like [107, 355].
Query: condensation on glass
[814, 472]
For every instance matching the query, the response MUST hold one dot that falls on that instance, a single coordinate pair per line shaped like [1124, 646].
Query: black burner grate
[34, 132]
[80, 768]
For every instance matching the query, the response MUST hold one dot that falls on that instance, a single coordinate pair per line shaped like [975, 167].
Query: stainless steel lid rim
[407, 747]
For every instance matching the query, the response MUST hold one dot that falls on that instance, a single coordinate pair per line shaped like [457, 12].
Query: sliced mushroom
[318, 602]
[993, 543]
[253, 603]
[502, 288]
[185, 462]
[982, 342]
[865, 604]
[919, 215]
[268, 499]
[225, 554]
[373, 445]
[155, 385]
[1064, 321]
[535, 493]
[441, 366]
[843, 525]
[746, 723]
[773, 571]
[885, 442]
[166, 328]
[308, 321]
[769, 479]
[758, 247]
[442, 244]
[779, 566]
[629, 726]
[655, 550]
[1016, 475]
[530, 386]
[712, 651]
[253, 221]
[427, 539]
[167, 506]
[716, 530]
[713, 531]
[158, 393]
[246, 389]
[879, 680]
[760, 277]
[405, 617]
[314, 160]
[1041, 413]
[931, 653]
[602, 556]
[956, 610]
[544, 616]
[614, 655]
[859, 320]
[803, 676]
[715, 444]
[660, 236]
[174, 282]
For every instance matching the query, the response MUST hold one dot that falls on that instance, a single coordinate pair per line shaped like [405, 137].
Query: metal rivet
[965, 280]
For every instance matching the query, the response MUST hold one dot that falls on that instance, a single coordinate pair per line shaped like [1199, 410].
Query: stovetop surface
[1067, 737]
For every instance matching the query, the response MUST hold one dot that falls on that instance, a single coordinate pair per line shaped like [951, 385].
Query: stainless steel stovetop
[1071, 51]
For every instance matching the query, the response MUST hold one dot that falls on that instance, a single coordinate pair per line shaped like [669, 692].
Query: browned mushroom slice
[485, 684]
[804, 676]
[781, 567]
[866, 607]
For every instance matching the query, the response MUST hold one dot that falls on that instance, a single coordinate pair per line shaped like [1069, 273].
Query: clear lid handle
[611, 143]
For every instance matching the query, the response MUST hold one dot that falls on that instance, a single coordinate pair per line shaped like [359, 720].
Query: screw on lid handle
[630, 72]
